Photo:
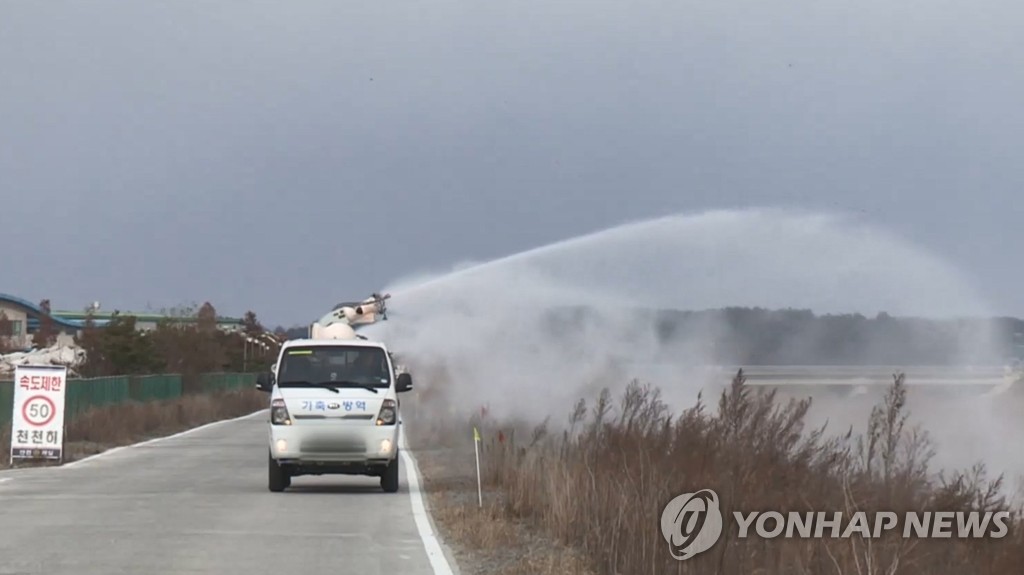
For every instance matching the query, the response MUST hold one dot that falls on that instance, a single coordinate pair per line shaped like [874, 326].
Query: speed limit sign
[37, 425]
[38, 410]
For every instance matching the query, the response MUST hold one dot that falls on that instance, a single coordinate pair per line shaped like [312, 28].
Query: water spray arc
[506, 333]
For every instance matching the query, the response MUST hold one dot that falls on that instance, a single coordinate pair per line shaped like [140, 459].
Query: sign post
[37, 425]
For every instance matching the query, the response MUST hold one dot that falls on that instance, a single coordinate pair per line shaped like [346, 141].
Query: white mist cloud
[488, 326]
[488, 321]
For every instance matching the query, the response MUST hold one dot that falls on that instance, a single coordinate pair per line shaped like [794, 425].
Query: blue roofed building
[25, 316]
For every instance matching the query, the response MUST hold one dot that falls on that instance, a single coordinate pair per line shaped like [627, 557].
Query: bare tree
[6, 333]
[206, 319]
[250, 325]
[46, 335]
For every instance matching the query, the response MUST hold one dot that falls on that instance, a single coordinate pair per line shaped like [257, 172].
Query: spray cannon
[342, 321]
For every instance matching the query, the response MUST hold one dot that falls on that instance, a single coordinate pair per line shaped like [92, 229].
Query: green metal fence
[83, 394]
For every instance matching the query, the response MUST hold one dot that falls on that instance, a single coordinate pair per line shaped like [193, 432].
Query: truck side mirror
[265, 381]
[403, 383]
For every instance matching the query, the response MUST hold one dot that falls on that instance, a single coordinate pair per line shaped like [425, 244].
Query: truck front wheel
[389, 479]
[278, 477]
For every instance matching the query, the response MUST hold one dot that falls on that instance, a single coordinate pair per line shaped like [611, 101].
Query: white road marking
[13, 473]
[158, 439]
[277, 534]
[438, 561]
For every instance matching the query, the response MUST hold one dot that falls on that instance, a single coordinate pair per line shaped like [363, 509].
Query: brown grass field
[587, 498]
[112, 426]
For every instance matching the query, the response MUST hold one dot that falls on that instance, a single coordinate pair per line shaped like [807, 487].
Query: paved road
[199, 504]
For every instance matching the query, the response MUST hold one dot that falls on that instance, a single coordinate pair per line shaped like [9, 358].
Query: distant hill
[296, 332]
[758, 336]
[754, 336]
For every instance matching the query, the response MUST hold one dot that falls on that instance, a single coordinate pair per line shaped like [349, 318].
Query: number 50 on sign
[37, 425]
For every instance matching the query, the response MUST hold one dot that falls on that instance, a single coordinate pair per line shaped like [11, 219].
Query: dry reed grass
[599, 486]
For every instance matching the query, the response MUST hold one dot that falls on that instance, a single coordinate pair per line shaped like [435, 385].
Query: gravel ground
[485, 539]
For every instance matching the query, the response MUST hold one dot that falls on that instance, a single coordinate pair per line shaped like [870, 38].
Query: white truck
[334, 406]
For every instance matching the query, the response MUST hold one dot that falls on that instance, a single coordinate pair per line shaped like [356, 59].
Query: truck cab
[334, 410]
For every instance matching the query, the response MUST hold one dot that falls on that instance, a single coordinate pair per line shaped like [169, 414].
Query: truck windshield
[334, 365]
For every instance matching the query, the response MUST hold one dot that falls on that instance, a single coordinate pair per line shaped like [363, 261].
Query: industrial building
[25, 316]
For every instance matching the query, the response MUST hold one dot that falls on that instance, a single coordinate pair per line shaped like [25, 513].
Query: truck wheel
[389, 479]
[278, 479]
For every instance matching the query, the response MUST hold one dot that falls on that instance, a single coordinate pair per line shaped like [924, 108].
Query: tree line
[759, 336]
[187, 341]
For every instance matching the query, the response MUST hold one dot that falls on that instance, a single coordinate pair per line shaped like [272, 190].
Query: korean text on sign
[41, 382]
[37, 422]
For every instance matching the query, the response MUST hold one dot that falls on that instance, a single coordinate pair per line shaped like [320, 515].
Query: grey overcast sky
[283, 156]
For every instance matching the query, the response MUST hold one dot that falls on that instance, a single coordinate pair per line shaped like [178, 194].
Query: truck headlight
[279, 413]
[387, 413]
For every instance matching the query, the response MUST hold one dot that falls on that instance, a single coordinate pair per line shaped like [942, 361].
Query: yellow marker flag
[476, 448]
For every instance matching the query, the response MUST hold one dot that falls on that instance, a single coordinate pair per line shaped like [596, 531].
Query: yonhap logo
[692, 523]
